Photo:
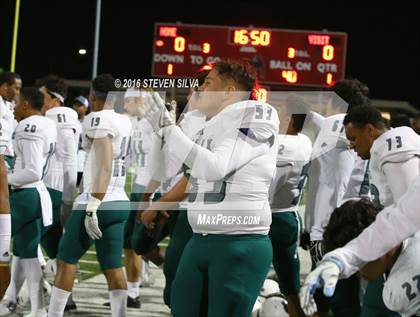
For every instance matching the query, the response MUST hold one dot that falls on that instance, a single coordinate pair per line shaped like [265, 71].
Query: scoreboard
[280, 56]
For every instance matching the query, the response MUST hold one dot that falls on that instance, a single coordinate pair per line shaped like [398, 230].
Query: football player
[294, 151]
[141, 141]
[102, 209]
[190, 122]
[5, 222]
[333, 176]
[30, 203]
[399, 263]
[62, 173]
[10, 86]
[237, 140]
[394, 160]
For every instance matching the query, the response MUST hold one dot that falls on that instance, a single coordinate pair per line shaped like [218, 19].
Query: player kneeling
[399, 264]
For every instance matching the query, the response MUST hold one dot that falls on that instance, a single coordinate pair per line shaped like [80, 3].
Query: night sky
[383, 39]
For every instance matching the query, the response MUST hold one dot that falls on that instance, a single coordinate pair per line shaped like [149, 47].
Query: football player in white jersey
[394, 157]
[331, 169]
[190, 121]
[10, 86]
[31, 206]
[294, 152]
[141, 138]
[102, 209]
[400, 264]
[394, 154]
[62, 173]
[231, 164]
[5, 222]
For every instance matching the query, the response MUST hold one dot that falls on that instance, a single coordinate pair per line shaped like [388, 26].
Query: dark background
[383, 38]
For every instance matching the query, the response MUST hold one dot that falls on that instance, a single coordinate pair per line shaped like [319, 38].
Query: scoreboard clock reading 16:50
[286, 57]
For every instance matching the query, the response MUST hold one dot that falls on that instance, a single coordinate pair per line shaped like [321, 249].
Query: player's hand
[305, 240]
[326, 276]
[91, 219]
[158, 224]
[147, 218]
[156, 113]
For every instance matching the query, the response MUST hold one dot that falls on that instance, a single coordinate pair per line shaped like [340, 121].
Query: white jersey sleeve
[230, 165]
[394, 163]
[249, 131]
[6, 128]
[34, 139]
[392, 225]
[401, 291]
[5, 135]
[190, 124]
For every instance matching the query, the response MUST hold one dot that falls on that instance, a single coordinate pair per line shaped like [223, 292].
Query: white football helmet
[274, 305]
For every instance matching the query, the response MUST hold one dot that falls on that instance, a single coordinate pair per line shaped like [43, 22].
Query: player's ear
[370, 129]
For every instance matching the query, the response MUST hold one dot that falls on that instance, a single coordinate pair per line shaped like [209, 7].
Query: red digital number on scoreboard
[291, 57]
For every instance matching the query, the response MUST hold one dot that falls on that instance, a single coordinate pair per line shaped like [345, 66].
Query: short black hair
[240, 72]
[347, 222]
[103, 83]
[201, 75]
[53, 83]
[360, 116]
[400, 120]
[33, 96]
[297, 106]
[9, 78]
[353, 91]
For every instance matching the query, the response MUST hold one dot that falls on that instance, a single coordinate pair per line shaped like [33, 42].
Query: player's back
[98, 125]
[331, 166]
[68, 126]
[293, 155]
[40, 130]
[398, 148]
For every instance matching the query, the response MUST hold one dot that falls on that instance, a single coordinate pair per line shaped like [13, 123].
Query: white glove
[325, 275]
[157, 115]
[91, 219]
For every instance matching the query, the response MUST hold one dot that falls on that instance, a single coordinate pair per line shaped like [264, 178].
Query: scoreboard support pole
[15, 36]
[96, 43]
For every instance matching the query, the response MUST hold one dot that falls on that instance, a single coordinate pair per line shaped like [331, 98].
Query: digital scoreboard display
[288, 57]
